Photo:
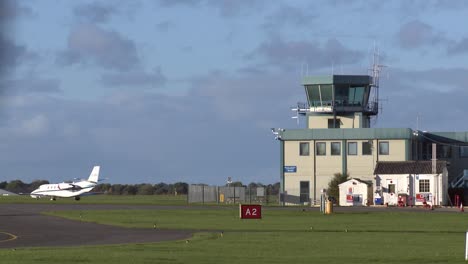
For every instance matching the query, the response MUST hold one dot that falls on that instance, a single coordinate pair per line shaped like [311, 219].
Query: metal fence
[230, 195]
[296, 197]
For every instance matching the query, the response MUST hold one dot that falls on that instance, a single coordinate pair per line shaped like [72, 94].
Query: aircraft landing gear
[52, 198]
[77, 198]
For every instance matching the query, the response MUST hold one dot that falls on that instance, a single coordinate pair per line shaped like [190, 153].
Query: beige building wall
[304, 164]
[321, 121]
[358, 166]
[326, 167]
[362, 166]
[397, 150]
[318, 121]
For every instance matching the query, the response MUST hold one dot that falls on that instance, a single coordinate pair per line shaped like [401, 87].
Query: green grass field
[103, 199]
[282, 236]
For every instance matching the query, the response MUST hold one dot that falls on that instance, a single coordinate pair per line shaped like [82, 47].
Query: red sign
[349, 198]
[420, 197]
[250, 211]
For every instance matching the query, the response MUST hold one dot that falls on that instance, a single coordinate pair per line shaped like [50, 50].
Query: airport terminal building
[338, 138]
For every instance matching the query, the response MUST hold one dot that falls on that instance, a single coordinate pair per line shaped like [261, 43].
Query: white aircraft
[67, 190]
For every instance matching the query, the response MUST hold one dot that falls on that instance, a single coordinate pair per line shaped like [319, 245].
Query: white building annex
[408, 183]
[355, 192]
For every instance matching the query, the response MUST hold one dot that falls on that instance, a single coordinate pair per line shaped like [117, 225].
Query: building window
[352, 148]
[463, 151]
[336, 148]
[424, 186]
[304, 149]
[367, 148]
[321, 148]
[384, 148]
[334, 123]
[444, 152]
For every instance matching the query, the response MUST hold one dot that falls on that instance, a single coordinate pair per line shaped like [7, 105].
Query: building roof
[368, 183]
[337, 79]
[3, 192]
[408, 167]
[346, 134]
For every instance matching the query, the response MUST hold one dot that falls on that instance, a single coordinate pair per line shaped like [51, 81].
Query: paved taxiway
[22, 225]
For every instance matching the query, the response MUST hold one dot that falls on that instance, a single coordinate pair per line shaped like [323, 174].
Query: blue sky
[187, 90]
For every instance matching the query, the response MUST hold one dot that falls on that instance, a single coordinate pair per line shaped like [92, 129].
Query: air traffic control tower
[338, 138]
[339, 101]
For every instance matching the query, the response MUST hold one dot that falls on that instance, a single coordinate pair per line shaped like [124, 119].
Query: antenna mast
[375, 72]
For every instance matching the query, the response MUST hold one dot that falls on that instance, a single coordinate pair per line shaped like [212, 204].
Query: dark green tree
[273, 189]
[103, 188]
[130, 189]
[181, 187]
[35, 184]
[17, 186]
[161, 188]
[145, 189]
[117, 189]
[3, 184]
[333, 189]
[235, 184]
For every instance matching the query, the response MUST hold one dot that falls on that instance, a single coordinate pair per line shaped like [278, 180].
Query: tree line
[17, 186]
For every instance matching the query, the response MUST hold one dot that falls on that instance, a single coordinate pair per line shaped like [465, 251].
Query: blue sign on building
[290, 168]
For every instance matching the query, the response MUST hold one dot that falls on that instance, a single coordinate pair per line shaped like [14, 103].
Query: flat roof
[337, 79]
[372, 133]
[346, 133]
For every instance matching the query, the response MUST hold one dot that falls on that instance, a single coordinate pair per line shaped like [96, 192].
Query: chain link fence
[198, 193]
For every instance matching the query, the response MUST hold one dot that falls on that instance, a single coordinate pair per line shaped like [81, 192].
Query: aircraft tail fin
[94, 176]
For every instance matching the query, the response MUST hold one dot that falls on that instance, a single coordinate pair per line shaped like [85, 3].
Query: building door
[304, 192]
[391, 197]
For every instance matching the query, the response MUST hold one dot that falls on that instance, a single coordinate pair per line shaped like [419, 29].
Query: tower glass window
[304, 149]
[336, 148]
[321, 148]
[384, 148]
[352, 148]
[356, 96]
[320, 94]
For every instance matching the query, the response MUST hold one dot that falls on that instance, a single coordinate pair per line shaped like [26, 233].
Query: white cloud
[95, 12]
[135, 79]
[31, 84]
[106, 48]
[277, 52]
[459, 47]
[34, 126]
[416, 34]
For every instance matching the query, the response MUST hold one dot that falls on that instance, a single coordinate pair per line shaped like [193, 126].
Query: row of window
[424, 187]
[335, 148]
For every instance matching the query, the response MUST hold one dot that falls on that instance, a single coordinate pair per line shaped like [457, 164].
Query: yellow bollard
[328, 207]
[221, 198]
